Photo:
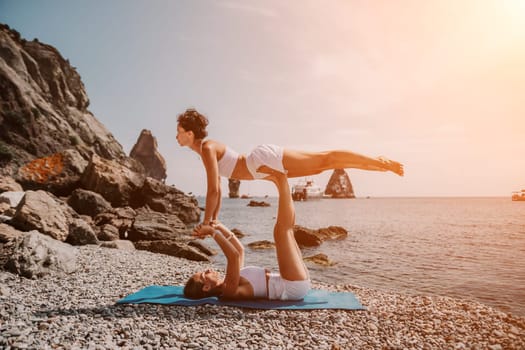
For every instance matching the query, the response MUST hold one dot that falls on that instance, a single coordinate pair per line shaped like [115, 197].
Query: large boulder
[173, 248]
[41, 211]
[121, 218]
[306, 237]
[167, 199]
[146, 152]
[36, 255]
[81, 233]
[108, 232]
[58, 173]
[88, 203]
[151, 226]
[115, 181]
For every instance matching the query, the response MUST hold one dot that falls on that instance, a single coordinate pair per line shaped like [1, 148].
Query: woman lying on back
[291, 283]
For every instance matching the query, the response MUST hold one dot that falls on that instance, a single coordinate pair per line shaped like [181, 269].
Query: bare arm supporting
[209, 158]
[215, 215]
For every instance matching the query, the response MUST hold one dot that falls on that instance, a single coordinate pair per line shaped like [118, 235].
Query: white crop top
[257, 278]
[227, 162]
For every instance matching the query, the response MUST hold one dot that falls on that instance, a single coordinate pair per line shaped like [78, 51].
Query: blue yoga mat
[315, 299]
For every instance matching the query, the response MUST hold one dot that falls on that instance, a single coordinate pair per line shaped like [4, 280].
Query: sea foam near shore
[78, 311]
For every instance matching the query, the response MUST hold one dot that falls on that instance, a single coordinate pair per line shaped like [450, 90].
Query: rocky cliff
[43, 106]
[69, 175]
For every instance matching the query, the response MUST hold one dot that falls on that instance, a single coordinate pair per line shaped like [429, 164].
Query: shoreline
[78, 311]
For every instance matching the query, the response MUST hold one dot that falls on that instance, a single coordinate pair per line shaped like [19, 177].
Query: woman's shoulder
[212, 145]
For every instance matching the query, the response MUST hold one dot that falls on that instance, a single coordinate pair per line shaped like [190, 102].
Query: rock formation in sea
[339, 185]
[146, 152]
[264, 244]
[233, 186]
[254, 203]
[64, 175]
[307, 237]
[320, 259]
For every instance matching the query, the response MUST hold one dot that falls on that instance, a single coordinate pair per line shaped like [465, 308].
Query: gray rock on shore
[36, 255]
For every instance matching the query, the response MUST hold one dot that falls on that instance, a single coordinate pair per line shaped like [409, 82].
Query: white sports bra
[257, 278]
[227, 162]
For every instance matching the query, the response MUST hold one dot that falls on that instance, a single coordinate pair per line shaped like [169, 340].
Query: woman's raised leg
[289, 257]
[301, 163]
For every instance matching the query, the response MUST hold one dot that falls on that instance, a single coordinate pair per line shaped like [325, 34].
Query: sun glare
[515, 13]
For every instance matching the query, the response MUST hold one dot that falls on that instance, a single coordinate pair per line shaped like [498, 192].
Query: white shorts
[269, 155]
[282, 289]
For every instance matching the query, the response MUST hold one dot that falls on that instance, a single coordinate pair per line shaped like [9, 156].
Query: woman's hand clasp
[202, 231]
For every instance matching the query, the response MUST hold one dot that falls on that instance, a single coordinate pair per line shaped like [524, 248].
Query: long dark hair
[191, 120]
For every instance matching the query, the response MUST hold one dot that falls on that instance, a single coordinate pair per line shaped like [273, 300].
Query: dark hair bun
[191, 120]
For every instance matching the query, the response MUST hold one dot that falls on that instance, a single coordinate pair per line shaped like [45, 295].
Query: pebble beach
[78, 311]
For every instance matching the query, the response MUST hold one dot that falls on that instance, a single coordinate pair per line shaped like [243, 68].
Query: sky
[438, 85]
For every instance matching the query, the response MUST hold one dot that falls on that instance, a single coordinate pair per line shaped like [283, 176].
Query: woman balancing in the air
[251, 282]
[220, 160]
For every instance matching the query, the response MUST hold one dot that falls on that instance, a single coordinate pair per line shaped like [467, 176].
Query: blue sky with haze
[438, 85]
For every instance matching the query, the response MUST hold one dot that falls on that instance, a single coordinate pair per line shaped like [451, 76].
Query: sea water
[471, 248]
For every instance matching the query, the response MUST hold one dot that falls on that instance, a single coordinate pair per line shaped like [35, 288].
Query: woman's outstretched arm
[213, 192]
[215, 214]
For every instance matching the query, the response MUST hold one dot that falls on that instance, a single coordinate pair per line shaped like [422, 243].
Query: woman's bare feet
[391, 165]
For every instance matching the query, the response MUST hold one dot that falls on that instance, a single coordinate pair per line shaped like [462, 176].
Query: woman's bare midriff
[241, 172]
